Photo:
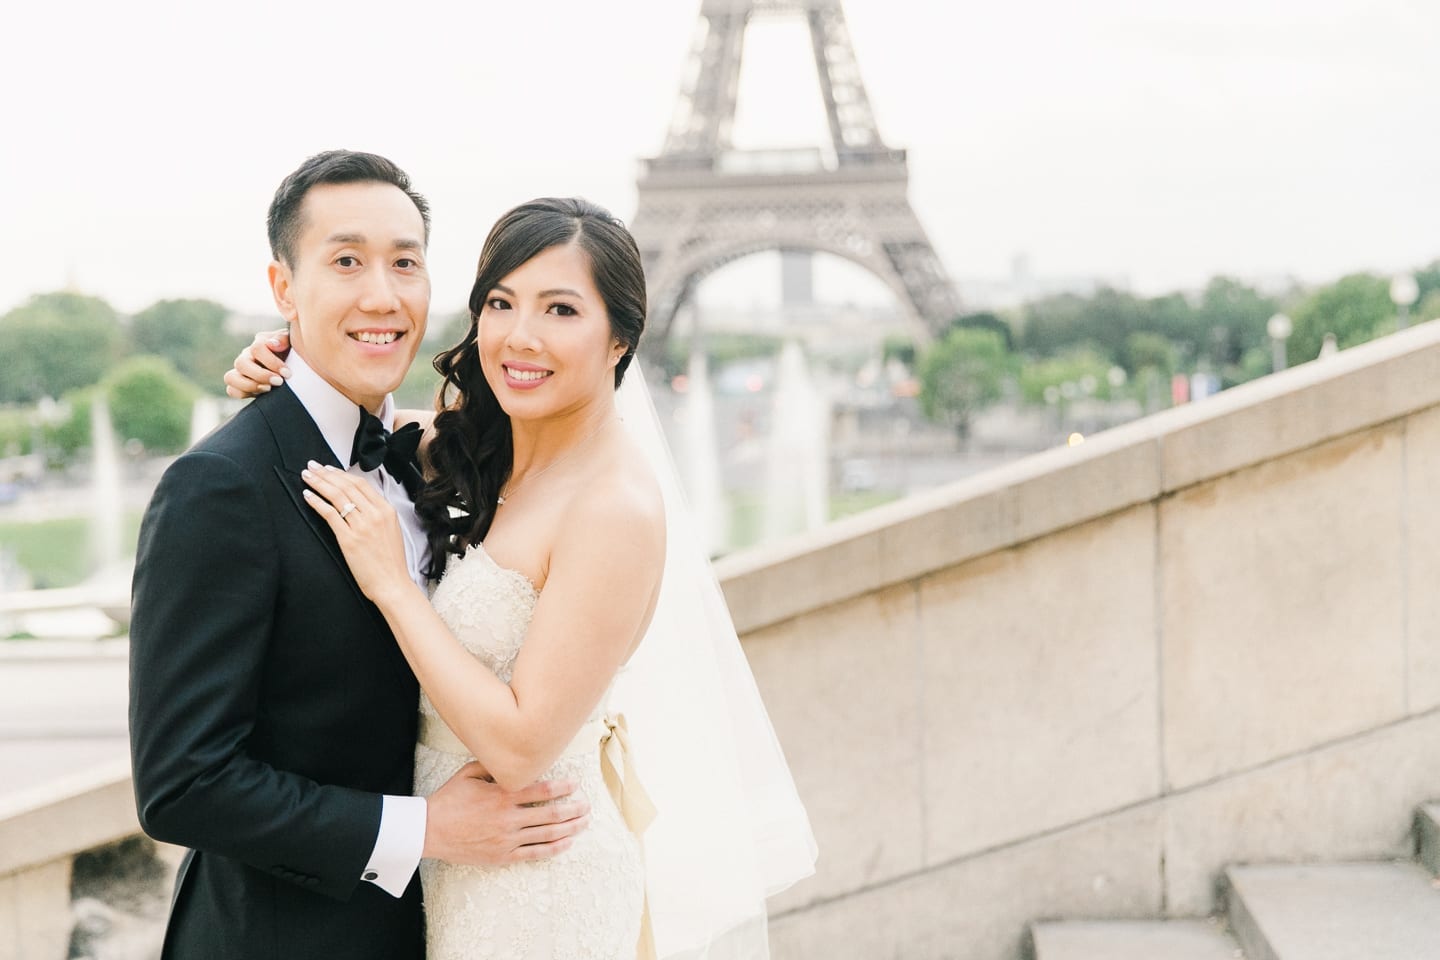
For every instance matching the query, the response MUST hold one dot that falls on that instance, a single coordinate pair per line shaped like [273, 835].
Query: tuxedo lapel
[299, 442]
[295, 486]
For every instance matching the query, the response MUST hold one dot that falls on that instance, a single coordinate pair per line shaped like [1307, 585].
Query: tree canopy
[56, 343]
[963, 374]
[1354, 308]
[191, 335]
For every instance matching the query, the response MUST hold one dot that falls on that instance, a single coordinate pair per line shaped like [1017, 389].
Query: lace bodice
[582, 905]
[488, 608]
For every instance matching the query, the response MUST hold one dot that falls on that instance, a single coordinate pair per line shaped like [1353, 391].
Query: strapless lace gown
[585, 904]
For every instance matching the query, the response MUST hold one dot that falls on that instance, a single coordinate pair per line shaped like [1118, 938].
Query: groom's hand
[470, 820]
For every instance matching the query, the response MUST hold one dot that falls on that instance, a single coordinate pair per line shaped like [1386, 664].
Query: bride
[572, 612]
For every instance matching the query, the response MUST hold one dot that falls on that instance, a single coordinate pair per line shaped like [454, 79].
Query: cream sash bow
[618, 769]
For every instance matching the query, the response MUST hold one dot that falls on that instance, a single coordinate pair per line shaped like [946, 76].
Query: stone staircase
[1337, 911]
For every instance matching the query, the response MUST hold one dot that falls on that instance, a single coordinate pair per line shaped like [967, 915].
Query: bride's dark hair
[470, 456]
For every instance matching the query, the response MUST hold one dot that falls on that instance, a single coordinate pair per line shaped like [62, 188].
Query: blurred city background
[1120, 201]
[1025, 225]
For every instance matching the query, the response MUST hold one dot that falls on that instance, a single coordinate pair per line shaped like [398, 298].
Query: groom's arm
[203, 606]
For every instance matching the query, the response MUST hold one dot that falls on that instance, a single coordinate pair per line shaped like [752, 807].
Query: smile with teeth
[527, 374]
[366, 336]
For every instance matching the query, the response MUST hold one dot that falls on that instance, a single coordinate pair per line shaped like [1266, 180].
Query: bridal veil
[730, 829]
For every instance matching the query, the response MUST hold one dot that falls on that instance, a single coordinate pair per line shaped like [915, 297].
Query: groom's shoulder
[205, 494]
[240, 438]
[244, 444]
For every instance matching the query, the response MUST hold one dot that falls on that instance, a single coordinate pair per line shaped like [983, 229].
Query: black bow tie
[375, 446]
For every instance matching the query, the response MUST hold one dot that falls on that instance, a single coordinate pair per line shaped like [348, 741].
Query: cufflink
[371, 875]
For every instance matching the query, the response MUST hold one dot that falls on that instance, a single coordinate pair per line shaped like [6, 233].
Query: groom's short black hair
[284, 221]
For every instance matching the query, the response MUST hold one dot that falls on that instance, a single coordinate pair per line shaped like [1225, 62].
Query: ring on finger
[348, 508]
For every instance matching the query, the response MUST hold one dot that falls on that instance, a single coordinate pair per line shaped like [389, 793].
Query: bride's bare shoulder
[426, 419]
[622, 498]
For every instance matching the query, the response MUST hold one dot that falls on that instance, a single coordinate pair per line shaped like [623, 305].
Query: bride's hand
[364, 524]
[260, 366]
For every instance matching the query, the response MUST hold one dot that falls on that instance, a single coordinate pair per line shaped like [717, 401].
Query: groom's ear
[281, 282]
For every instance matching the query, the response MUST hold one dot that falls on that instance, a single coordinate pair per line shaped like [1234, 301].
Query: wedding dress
[728, 830]
[586, 903]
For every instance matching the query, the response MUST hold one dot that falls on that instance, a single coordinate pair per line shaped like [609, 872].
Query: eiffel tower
[702, 203]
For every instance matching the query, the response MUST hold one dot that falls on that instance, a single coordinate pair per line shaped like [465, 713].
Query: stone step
[1345, 911]
[1133, 940]
[1427, 829]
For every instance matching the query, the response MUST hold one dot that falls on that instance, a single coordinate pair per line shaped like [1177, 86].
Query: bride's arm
[603, 573]
[260, 365]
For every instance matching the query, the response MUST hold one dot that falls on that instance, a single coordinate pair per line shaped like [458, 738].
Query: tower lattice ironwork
[703, 203]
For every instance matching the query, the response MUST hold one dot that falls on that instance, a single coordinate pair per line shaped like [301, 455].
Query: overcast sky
[1158, 140]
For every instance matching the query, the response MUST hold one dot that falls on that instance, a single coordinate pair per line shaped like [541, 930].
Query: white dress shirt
[402, 819]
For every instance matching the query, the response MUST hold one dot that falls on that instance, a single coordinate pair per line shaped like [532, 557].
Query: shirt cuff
[399, 844]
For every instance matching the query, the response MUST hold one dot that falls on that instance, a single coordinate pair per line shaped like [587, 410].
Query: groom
[272, 717]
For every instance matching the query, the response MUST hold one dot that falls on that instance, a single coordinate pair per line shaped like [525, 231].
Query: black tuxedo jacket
[269, 706]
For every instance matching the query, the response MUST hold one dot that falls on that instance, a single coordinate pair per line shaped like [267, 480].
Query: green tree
[17, 432]
[150, 402]
[963, 374]
[1428, 308]
[1255, 364]
[191, 335]
[985, 320]
[1427, 279]
[1427, 303]
[1071, 372]
[56, 343]
[1103, 322]
[1220, 326]
[1356, 308]
[1054, 324]
[1234, 315]
[69, 436]
[1173, 318]
[1152, 351]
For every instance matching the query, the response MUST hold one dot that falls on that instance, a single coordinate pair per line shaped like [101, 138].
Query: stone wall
[1079, 685]
[1075, 686]
[41, 832]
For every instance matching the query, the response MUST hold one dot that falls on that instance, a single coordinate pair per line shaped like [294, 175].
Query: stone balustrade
[41, 831]
[1081, 684]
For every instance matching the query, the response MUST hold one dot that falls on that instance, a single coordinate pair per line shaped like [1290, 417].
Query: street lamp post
[1404, 291]
[1279, 327]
